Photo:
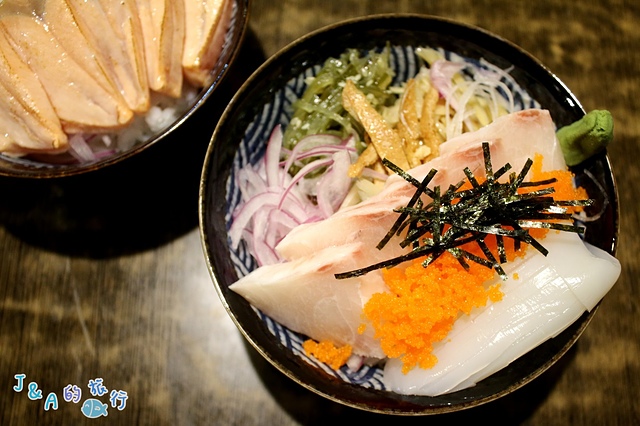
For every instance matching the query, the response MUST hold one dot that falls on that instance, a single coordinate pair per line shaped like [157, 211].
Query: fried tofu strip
[417, 124]
[409, 125]
[385, 140]
[367, 158]
[428, 129]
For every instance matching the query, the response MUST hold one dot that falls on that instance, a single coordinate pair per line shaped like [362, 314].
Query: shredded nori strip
[455, 218]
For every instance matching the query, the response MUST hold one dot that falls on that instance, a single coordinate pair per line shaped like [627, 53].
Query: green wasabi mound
[586, 137]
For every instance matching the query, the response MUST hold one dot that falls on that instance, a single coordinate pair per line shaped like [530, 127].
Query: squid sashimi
[305, 296]
[513, 139]
[550, 294]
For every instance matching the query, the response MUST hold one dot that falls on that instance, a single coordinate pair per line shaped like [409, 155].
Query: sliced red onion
[245, 214]
[250, 182]
[272, 156]
[333, 186]
[80, 150]
[311, 167]
[309, 142]
[274, 202]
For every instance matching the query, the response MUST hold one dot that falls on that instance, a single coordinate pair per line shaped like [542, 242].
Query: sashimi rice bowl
[88, 84]
[408, 215]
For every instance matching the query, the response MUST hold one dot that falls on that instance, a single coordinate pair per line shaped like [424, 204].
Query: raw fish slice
[522, 131]
[367, 224]
[208, 21]
[513, 138]
[116, 38]
[61, 21]
[17, 134]
[28, 122]
[549, 295]
[126, 27]
[81, 104]
[163, 27]
[304, 296]
[20, 6]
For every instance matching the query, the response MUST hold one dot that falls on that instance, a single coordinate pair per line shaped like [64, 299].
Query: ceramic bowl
[34, 168]
[265, 100]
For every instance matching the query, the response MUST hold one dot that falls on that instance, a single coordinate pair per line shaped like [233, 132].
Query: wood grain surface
[104, 276]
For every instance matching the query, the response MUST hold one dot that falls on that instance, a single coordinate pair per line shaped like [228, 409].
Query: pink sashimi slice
[63, 25]
[28, 121]
[204, 37]
[513, 139]
[81, 104]
[163, 27]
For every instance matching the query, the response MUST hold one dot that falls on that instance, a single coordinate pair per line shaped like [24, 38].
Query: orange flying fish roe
[564, 187]
[423, 303]
[327, 352]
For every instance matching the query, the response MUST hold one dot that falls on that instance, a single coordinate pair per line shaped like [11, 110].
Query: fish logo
[92, 408]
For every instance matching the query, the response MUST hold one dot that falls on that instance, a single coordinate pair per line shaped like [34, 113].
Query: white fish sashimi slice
[304, 296]
[549, 295]
[525, 133]
[513, 138]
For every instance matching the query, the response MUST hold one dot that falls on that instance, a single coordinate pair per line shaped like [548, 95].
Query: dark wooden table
[104, 277]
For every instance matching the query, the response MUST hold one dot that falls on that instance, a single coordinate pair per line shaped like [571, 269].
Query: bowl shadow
[137, 204]
[309, 408]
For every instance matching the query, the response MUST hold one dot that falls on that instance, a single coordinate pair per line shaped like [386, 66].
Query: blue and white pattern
[406, 64]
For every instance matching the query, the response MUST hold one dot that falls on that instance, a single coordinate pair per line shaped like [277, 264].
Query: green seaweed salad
[320, 109]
